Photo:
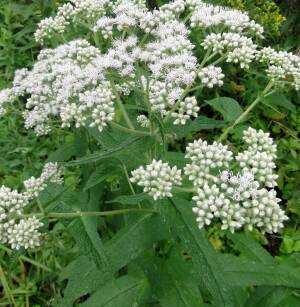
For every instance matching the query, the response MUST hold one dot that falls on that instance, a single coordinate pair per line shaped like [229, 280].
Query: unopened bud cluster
[236, 199]
[211, 76]
[16, 229]
[157, 178]
[143, 121]
[282, 66]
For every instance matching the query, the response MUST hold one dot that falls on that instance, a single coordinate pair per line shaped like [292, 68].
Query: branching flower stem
[121, 106]
[208, 56]
[247, 111]
[91, 213]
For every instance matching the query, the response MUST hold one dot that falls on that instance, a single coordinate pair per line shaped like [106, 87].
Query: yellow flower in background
[266, 12]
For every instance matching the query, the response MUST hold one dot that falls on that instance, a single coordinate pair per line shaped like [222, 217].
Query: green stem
[92, 213]
[247, 111]
[121, 106]
[132, 131]
[184, 190]
[129, 182]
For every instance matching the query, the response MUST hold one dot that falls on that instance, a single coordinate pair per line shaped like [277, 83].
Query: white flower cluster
[76, 12]
[240, 199]
[173, 67]
[211, 76]
[205, 157]
[282, 67]
[125, 14]
[259, 156]
[15, 229]
[238, 48]
[212, 16]
[186, 109]
[143, 121]
[24, 234]
[67, 82]
[76, 84]
[170, 56]
[157, 178]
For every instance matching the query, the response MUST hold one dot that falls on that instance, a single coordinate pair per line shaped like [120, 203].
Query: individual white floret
[143, 121]
[24, 234]
[187, 108]
[211, 76]
[157, 179]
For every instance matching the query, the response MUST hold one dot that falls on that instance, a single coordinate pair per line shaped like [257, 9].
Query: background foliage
[55, 274]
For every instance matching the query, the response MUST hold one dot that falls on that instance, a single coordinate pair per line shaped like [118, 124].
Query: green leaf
[83, 278]
[173, 281]
[105, 153]
[250, 248]
[64, 153]
[198, 124]
[135, 238]
[128, 244]
[278, 99]
[85, 232]
[209, 270]
[228, 107]
[243, 273]
[125, 291]
[100, 174]
[270, 297]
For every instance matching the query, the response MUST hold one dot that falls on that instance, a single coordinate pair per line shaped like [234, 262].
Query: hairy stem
[247, 111]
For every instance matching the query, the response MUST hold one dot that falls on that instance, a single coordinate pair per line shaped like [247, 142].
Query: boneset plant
[132, 83]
